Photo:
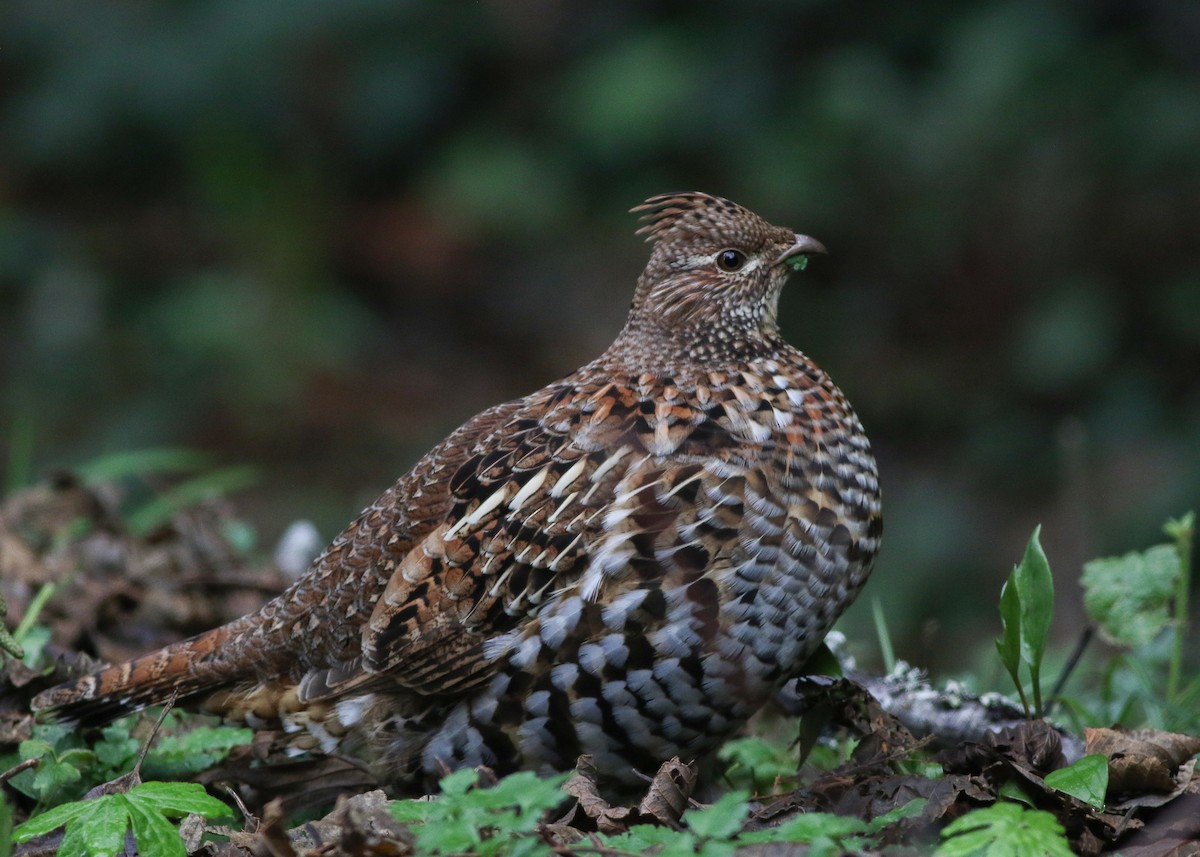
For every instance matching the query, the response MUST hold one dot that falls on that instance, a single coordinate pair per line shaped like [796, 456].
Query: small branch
[16, 769]
[1072, 662]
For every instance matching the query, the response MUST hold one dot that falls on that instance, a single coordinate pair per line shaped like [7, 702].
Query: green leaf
[142, 462]
[912, 809]
[798, 262]
[116, 750]
[410, 811]
[154, 834]
[6, 840]
[1086, 779]
[1009, 644]
[51, 819]
[642, 838]
[808, 827]
[1128, 596]
[102, 830]
[179, 799]
[458, 783]
[178, 756]
[1035, 586]
[721, 820]
[53, 777]
[756, 763]
[1004, 830]
[218, 483]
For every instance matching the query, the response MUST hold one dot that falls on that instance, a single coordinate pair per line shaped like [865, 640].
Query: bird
[625, 564]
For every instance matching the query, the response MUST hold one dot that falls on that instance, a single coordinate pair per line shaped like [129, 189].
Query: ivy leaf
[1128, 596]
[1086, 779]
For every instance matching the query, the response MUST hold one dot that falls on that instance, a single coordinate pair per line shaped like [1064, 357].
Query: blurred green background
[316, 236]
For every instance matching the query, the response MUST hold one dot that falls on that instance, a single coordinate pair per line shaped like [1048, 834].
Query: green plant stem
[885, 638]
[35, 608]
[7, 642]
[1181, 530]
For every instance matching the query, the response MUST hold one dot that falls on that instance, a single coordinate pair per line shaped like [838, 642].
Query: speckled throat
[627, 563]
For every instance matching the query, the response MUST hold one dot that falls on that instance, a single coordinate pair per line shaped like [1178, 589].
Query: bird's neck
[655, 345]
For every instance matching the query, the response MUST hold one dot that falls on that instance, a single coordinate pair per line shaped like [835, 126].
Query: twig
[16, 769]
[1072, 662]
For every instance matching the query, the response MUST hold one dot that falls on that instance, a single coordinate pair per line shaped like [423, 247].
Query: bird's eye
[731, 260]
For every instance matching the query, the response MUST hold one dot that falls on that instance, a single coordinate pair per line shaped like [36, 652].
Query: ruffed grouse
[627, 563]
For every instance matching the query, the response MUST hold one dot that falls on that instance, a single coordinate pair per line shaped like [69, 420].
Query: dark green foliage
[499, 820]
[68, 766]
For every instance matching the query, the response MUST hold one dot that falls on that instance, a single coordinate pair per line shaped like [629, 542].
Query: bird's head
[716, 269]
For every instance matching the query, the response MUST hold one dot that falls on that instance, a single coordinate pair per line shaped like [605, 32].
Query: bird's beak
[804, 245]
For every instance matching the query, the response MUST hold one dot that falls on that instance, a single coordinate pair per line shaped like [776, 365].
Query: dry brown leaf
[1142, 760]
[582, 786]
[1173, 832]
[667, 797]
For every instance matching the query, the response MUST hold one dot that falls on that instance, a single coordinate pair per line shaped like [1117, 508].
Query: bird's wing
[586, 486]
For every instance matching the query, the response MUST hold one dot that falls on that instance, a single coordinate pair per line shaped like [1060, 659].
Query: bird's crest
[667, 211]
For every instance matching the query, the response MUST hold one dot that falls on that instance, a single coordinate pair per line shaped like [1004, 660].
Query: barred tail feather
[199, 665]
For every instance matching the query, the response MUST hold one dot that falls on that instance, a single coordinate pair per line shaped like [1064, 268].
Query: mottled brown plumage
[627, 563]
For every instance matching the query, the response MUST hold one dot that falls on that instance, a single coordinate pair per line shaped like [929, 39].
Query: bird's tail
[202, 664]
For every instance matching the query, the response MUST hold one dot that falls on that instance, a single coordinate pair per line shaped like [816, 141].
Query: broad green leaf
[458, 783]
[102, 830]
[179, 799]
[73, 841]
[52, 776]
[1086, 779]
[642, 837]
[154, 834]
[179, 756]
[51, 819]
[1004, 830]
[1128, 596]
[411, 810]
[721, 820]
